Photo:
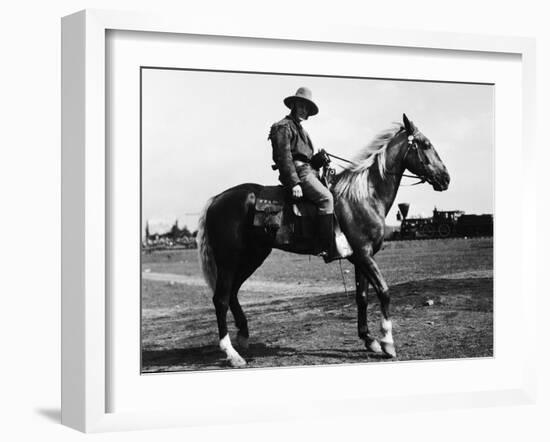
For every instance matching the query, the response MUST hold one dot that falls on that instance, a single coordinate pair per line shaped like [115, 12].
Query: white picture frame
[85, 202]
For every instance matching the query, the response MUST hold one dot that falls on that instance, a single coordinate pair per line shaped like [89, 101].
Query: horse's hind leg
[249, 263]
[368, 266]
[361, 299]
[222, 295]
[240, 321]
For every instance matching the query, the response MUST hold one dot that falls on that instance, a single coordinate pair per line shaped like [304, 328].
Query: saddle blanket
[293, 221]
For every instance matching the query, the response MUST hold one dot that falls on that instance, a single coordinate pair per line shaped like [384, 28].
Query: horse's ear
[408, 125]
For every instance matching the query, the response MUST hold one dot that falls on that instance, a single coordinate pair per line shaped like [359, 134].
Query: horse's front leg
[361, 299]
[366, 263]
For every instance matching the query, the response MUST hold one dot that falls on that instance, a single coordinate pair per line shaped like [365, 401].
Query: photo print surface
[304, 220]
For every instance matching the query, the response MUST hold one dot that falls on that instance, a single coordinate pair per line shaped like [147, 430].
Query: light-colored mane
[352, 182]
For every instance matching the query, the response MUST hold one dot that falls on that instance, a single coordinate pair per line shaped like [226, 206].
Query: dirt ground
[299, 313]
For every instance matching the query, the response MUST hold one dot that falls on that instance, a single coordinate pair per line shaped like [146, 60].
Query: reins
[342, 159]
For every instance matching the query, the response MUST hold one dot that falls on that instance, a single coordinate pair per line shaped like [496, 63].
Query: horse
[364, 192]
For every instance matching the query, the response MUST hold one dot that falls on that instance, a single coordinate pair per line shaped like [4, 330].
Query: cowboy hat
[302, 94]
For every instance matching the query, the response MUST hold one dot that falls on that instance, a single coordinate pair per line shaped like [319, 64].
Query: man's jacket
[290, 142]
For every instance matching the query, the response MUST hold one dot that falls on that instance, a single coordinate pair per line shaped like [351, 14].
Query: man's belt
[301, 158]
[298, 160]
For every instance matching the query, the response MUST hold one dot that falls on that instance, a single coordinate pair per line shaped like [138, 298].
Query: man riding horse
[298, 166]
[230, 252]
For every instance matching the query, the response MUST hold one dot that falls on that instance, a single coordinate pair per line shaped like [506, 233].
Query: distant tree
[195, 233]
[175, 231]
[185, 232]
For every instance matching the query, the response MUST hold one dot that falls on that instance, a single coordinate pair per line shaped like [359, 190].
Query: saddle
[289, 222]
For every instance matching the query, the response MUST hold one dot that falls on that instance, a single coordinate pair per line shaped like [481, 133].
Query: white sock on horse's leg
[233, 357]
[373, 345]
[387, 338]
[385, 327]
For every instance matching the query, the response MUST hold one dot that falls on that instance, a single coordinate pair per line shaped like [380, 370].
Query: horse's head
[422, 159]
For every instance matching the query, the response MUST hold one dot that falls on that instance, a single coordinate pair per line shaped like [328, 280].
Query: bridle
[411, 145]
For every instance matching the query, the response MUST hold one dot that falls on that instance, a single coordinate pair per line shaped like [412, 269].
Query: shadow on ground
[321, 329]
[210, 356]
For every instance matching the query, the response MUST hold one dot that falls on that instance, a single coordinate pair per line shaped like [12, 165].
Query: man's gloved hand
[320, 159]
[297, 191]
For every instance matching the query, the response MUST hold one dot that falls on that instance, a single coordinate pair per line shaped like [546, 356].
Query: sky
[203, 132]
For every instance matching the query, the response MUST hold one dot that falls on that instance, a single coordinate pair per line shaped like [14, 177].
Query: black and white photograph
[295, 220]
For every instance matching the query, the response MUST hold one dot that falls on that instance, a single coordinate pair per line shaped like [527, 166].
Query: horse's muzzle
[440, 183]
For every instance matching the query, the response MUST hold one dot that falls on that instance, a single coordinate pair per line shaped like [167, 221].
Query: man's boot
[325, 234]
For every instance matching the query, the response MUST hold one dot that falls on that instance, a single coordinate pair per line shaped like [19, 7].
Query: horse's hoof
[234, 358]
[242, 342]
[237, 362]
[389, 349]
[373, 346]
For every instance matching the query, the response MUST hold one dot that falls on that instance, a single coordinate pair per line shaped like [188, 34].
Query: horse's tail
[206, 255]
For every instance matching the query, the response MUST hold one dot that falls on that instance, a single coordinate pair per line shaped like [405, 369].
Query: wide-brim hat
[302, 94]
